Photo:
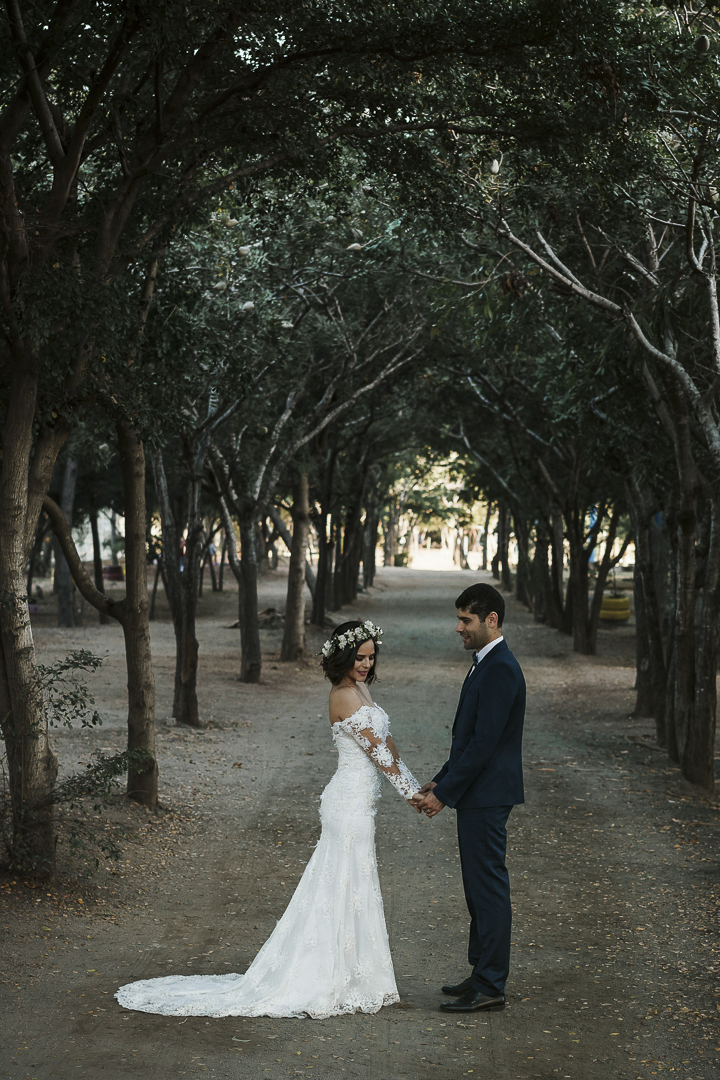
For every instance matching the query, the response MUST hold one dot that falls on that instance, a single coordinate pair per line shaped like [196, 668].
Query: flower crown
[365, 632]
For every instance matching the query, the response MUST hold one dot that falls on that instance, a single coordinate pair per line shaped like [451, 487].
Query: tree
[293, 643]
[651, 248]
[119, 122]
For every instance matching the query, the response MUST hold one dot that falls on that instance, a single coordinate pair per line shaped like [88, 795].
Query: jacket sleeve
[439, 776]
[493, 711]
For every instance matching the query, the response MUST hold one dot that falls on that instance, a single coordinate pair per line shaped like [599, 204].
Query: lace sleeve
[375, 745]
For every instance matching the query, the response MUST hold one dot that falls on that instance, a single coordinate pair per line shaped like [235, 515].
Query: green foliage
[81, 795]
[68, 700]
[79, 798]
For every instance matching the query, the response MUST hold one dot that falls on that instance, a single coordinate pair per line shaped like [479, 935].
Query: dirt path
[613, 863]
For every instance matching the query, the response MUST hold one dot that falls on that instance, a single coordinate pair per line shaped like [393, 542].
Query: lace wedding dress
[329, 953]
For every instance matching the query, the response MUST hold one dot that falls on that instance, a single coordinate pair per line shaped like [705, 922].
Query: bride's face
[363, 662]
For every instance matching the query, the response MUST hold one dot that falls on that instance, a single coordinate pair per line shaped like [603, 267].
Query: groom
[482, 779]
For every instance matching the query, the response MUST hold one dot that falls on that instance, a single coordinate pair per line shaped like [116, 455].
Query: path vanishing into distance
[613, 862]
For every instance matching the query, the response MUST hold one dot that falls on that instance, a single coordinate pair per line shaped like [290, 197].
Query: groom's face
[475, 632]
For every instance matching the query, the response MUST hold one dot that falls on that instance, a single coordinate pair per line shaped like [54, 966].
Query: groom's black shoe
[461, 988]
[474, 1001]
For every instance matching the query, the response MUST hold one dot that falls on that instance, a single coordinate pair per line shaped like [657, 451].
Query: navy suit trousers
[482, 838]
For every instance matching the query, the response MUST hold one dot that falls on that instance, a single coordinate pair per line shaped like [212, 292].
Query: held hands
[425, 802]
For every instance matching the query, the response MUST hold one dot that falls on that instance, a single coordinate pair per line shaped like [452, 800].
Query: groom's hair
[480, 600]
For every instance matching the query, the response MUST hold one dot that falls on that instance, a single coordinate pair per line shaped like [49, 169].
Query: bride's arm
[383, 752]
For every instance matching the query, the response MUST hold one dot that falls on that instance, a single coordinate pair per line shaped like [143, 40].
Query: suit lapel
[468, 679]
[472, 674]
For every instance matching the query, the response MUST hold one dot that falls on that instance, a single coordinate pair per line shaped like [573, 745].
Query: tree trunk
[251, 658]
[172, 578]
[551, 604]
[320, 598]
[40, 534]
[354, 555]
[672, 748]
[542, 587]
[141, 786]
[500, 563]
[211, 566]
[389, 528]
[651, 678]
[201, 575]
[63, 577]
[32, 767]
[187, 710]
[369, 553]
[485, 536]
[607, 563]
[153, 598]
[287, 539]
[293, 644]
[524, 591]
[578, 590]
[114, 540]
[562, 603]
[221, 568]
[699, 752]
[183, 584]
[242, 568]
[337, 593]
[97, 562]
[659, 562]
[684, 630]
[644, 700]
[262, 550]
[330, 569]
[506, 575]
[349, 544]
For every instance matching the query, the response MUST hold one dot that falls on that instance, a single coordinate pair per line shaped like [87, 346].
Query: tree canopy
[284, 262]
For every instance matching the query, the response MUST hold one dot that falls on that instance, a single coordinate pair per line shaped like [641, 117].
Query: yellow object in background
[615, 608]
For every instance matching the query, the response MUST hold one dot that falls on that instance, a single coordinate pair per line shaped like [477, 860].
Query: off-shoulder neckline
[336, 723]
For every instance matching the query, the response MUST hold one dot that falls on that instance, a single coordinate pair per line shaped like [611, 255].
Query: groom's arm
[492, 715]
[439, 776]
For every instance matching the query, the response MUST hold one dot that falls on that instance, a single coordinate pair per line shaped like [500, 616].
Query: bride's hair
[342, 660]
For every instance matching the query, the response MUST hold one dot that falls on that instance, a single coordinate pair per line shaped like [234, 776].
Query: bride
[329, 953]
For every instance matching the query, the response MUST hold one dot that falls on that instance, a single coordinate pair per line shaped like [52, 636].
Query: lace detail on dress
[329, 953]
[370, 727]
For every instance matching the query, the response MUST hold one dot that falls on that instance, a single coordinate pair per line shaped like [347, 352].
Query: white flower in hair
[357, 635]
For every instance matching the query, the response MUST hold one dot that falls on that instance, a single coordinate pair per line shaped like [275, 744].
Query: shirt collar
[486, 649]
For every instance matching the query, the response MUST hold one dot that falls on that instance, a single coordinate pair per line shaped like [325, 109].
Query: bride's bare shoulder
[344, 703]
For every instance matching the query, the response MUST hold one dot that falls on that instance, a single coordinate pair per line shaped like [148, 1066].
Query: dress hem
[346, 1009]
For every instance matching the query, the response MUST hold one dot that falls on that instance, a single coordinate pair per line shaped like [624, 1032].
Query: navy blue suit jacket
[485, 763]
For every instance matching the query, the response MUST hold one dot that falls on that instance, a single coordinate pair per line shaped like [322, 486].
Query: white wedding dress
[329, 953]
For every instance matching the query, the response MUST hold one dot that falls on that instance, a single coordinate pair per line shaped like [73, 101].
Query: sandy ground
[613, 863]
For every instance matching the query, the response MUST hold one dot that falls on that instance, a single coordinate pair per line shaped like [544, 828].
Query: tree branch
[34, 85]
[286, 537]
[563, 276]
[101, 602]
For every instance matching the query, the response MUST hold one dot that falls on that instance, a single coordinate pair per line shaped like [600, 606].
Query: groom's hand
[419, 797]
[431, 805]
[425, 802]
[426, 787]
